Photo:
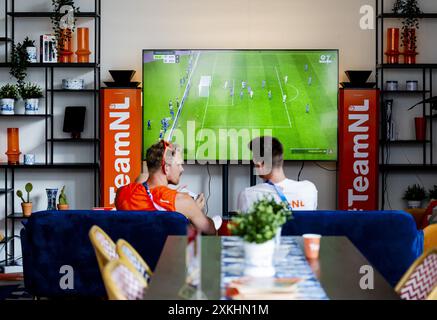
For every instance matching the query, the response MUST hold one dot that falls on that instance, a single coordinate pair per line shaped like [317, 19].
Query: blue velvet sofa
[51, 239]
[389, 240]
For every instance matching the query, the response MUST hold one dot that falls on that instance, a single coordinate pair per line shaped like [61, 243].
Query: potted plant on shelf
[63, 24]
[31, 93]
[414, 195]
[8, 96]
[258, 228]
[29, 46]
[26, 205]
[19, 62]
[432, 193]
[409, 9]
[63, 203]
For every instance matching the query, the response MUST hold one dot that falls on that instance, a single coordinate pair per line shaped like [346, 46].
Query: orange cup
[311, 244]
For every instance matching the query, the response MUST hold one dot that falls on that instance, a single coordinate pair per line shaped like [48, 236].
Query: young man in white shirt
[268, 159]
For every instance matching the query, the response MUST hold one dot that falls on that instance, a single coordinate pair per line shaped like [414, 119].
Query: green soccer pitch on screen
[213, 102]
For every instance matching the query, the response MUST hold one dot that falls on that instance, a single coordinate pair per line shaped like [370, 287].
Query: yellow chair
[104, 247]
[123, 282]
[430, 237]
[433, 295]
[131, 256]
[420, 281]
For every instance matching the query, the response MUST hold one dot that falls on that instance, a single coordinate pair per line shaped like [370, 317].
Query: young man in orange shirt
[164, 164]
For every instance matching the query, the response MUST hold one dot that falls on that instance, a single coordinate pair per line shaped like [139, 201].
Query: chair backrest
[132, 257]
[421, 278]
[103, 246]
[123, 282]
[430, 237]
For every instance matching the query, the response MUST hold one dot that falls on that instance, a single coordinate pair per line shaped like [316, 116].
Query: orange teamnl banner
[121, 139]
[358, 149]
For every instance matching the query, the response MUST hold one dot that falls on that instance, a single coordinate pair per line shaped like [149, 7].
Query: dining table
[340, 272]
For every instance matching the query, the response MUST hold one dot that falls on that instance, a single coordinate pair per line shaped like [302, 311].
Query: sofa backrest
[52, 239]
[389, 240]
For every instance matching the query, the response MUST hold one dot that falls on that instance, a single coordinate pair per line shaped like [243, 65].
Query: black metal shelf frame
[48, 115]
[427, 91]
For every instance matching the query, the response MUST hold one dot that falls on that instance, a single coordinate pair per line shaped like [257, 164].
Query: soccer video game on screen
[212, 102]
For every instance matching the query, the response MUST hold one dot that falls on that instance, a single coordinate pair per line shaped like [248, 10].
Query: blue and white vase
[31, 106]
[31, 54]
[7, 106]
[51, 198]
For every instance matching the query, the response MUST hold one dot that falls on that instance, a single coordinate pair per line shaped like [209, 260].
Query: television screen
[213, 102]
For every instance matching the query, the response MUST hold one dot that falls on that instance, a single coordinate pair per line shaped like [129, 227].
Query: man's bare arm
[188, 207]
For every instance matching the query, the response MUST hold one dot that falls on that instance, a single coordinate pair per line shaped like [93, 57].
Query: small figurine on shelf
[63, 203]
[26, 205]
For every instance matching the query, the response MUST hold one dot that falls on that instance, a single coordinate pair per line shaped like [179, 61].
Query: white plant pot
[278, 236]
[414, 204]
[259, 259]
[7, 106]
[31, 106]
[31, 54]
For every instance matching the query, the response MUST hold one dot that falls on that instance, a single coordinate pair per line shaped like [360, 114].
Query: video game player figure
[243, 84]
[172, 113]
[170, 105]
[307, 108]
[306, 67]
[161, 134]
[286, 79]
[177, 102]
[310, 80]
[149, 125]
[251, 94]
[226, 84]
[249, 89]
[270, 94]
[263, 84]
[284, 98]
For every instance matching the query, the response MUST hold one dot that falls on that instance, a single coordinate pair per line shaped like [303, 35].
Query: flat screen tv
[212, 102]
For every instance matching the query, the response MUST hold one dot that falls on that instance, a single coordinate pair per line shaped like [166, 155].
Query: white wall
[133, 25]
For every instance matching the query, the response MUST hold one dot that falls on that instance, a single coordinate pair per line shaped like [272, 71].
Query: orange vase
[66, 47]
[83, 51]
[13, 152]
[392, 45]
[409, 43]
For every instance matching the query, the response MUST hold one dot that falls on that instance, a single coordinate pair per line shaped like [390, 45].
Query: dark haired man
[269, 160]
[164, 164]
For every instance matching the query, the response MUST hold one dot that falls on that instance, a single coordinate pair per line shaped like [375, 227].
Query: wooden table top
[337, 269]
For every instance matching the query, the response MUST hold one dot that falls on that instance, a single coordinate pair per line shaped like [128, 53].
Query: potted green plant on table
[8, 95]
[62, 202]
[258, 228]
[31, 93]
[414, 195]
[26, 205]
[409, 11]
